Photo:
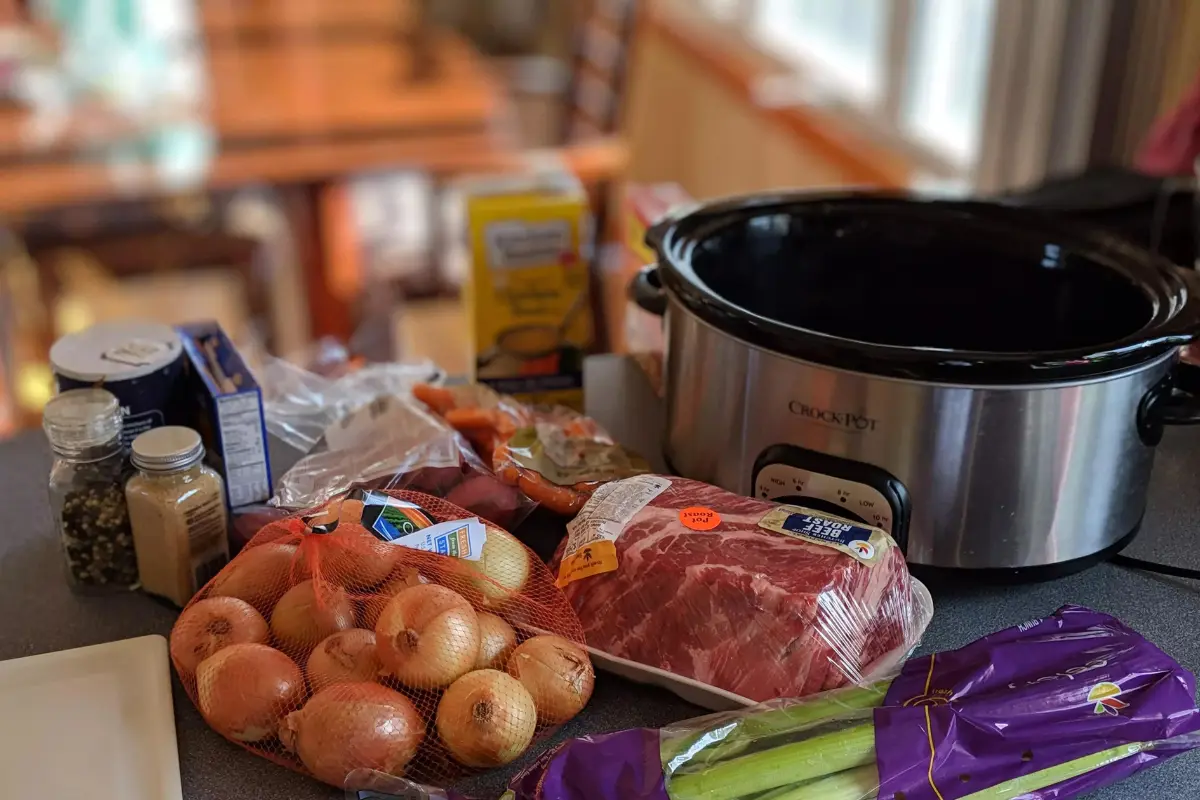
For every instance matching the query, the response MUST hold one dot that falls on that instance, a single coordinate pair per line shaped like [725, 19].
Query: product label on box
[527, 244]
[245, 452]
[591, 537]
[859, 541]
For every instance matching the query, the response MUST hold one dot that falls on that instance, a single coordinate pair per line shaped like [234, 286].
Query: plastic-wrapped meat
[732, 591]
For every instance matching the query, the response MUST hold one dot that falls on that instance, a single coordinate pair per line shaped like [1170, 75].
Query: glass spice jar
[87, 490]
[177, 508]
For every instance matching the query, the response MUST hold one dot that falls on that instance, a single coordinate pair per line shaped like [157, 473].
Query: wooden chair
[595, 101]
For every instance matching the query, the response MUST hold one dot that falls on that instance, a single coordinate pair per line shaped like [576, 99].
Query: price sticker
[699, 518]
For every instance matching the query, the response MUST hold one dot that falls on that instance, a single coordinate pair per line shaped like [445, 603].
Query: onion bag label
[591, 537]
[387, 517]
[391, 519]
[861, 542]
[463, 538]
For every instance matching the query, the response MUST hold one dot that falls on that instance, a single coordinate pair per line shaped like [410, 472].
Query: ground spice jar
[87, 490]
[177, 508]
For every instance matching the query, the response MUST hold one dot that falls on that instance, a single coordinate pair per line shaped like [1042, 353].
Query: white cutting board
[94, 723]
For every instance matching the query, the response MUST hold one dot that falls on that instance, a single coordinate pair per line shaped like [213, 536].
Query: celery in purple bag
[1048, 710]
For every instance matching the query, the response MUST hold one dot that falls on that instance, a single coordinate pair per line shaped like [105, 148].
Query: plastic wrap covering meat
[389, 631]
[757, 599]
[1048, 710]
[556, 456]
[395, 443]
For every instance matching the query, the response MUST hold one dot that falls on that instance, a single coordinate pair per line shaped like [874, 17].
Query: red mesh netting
[328, 652]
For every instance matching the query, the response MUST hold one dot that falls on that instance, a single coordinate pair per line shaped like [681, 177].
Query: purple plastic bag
[1052, 709]
[1026, 699]
[611, 766]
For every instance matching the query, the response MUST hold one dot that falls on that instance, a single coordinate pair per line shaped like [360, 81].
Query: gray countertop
[38, 614]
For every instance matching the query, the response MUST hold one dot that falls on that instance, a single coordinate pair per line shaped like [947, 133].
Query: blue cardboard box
[227, 410]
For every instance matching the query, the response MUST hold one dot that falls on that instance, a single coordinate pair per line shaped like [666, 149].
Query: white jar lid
[115, 351]
[167, 449]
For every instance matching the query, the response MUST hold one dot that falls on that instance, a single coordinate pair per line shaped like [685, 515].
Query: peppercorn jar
[87, 490]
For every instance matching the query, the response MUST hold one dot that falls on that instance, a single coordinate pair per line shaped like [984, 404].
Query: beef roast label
[861, 542]
[591, 537]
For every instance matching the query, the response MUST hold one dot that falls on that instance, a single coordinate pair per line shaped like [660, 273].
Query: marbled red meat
[751, 611]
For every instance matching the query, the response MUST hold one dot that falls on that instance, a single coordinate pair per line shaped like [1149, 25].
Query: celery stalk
[785, 765]
[861, 783]
[1045, 778]
[682, 751]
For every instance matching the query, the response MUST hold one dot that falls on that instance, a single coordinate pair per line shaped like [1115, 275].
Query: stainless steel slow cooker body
[992, 461]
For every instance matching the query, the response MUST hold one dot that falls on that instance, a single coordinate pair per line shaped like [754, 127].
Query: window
[947, 74]
[843, 39]
[984, 94]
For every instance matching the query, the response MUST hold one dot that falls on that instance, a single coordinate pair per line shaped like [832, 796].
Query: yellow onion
[502, 569]
[496, 642]
[486, 719]
[301, 619]
[428, 636]
[210, 625]
[557, 672]
[354, 726]
[373, 606]
[345, 657]
[354, 558]
[259, 575]
[245, 690]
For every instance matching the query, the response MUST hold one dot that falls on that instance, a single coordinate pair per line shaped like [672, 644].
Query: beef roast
[749, 610]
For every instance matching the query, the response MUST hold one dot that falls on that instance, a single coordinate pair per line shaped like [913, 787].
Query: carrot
[439, 399]
[463, 419]
[559, 499]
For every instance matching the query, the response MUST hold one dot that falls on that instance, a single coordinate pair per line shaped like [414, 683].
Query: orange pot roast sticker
[699, 518]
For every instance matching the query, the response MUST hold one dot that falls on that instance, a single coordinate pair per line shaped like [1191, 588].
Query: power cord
[1160, 569]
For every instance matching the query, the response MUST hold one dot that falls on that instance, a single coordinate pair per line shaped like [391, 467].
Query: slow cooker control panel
[858, 491]
[864, 502]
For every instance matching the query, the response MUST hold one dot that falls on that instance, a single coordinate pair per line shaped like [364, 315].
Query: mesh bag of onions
[388, 631]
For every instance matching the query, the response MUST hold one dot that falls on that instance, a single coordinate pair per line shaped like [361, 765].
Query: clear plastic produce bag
[300, 406]
[556, 456]
[1049, 710]
[390, 631]
[394, 442]
[757, 599]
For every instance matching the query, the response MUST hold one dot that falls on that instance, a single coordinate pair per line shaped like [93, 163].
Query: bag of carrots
[554, 455]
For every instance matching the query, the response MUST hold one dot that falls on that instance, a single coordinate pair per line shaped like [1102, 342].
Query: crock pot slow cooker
[987, 383]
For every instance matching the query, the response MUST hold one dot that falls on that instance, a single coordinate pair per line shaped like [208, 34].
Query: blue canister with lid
[139, 362]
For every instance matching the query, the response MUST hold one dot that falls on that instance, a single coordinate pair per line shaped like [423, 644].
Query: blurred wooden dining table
[290, 105]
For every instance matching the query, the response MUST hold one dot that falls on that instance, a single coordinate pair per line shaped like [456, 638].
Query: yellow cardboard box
[527, 296]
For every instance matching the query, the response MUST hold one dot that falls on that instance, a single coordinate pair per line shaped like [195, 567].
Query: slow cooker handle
[1174, 401]
[647, 291]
